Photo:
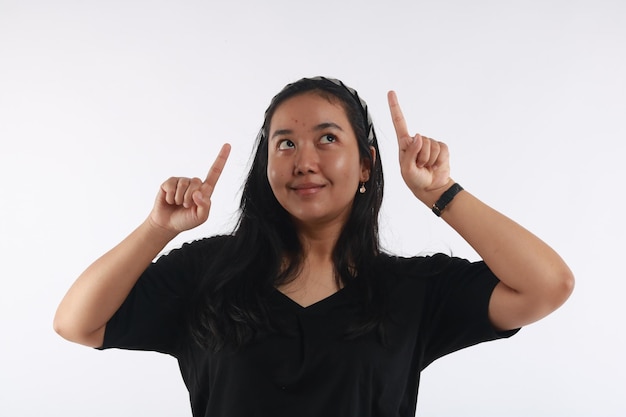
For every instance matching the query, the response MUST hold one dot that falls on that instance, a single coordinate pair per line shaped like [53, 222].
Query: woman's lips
[307, 188]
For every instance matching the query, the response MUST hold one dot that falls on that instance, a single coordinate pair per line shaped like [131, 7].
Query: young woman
[299, 312]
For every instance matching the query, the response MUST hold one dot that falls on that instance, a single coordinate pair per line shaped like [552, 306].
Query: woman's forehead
[310, 107]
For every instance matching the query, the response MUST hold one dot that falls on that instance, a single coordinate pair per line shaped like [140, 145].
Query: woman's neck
[318, 241]
[316, 279]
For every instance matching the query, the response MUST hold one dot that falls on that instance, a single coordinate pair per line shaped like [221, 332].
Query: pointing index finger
[399, 123]
[218, 166]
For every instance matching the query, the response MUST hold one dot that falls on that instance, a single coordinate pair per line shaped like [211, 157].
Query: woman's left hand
[534, 280]
[424, 162]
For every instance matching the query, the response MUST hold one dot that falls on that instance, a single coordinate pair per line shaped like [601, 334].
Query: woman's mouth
[307, 188]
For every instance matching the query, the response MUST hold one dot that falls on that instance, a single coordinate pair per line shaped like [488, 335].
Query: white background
[102, 101]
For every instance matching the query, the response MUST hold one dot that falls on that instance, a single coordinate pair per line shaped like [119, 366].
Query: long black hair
[264, 251]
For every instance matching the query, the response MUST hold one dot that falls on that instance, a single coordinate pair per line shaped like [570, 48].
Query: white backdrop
[102, 101]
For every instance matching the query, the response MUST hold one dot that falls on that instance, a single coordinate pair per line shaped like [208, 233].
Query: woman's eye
[286, 144]
[328, 139]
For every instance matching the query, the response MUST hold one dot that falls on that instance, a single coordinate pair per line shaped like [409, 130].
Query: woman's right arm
[182, 204]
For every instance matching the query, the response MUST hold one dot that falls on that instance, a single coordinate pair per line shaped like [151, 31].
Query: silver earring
[362, 188]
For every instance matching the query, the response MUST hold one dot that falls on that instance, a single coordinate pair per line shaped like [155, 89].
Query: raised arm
[181, 204]
[535, 281]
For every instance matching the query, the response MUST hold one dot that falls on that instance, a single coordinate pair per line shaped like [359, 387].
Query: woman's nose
[307, 160]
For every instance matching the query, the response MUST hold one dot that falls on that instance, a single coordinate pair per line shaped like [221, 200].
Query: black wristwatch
[445, 198]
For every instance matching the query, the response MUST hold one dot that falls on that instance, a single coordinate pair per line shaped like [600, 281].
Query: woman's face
[313, 162]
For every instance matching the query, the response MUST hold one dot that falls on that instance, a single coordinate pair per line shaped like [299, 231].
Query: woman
[298, 311]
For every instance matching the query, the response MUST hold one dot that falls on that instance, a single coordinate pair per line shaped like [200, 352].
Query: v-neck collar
[319, 306]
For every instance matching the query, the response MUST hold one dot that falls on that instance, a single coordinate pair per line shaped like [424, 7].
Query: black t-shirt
[307, 366]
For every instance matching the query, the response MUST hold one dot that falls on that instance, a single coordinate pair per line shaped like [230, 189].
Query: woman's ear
[366, 165]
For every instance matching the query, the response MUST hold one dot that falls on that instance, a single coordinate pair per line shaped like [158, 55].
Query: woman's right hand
[184, 203]
[101, 289]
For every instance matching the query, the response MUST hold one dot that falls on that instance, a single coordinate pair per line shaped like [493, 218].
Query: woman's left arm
[534, 280]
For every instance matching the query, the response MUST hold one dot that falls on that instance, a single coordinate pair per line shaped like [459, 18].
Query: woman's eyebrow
[327, 125]
[281, 132]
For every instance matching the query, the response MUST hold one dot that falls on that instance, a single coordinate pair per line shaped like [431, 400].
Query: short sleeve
[457, 306]
[153, 316]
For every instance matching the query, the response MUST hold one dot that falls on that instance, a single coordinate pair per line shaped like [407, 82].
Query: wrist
[430, 197]
[158, 232]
